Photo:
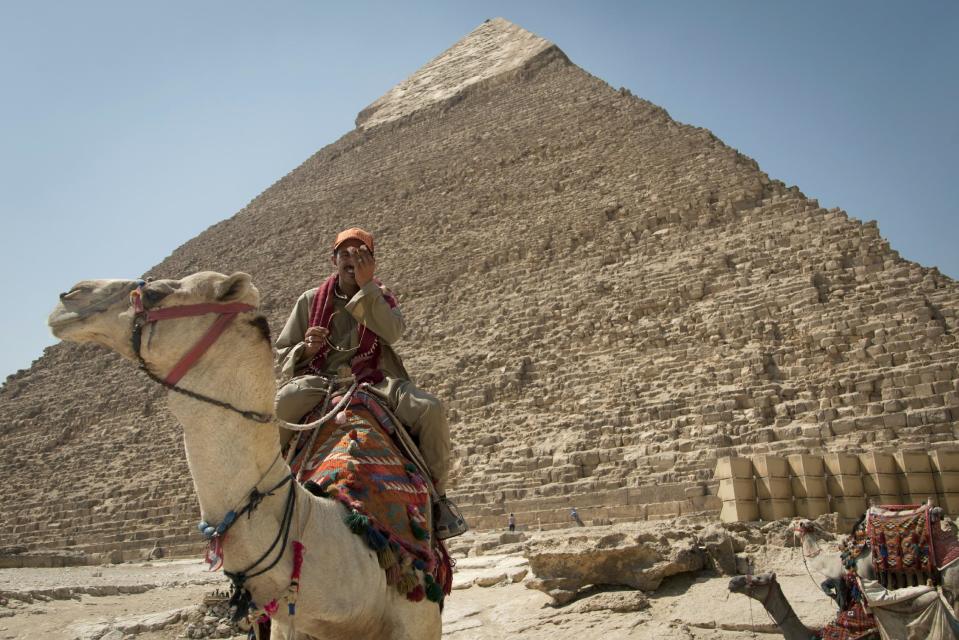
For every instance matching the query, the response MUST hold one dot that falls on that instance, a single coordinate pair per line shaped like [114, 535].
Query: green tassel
[418, 532]
[434, 592]
[357, 522]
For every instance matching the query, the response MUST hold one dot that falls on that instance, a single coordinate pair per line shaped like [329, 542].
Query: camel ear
[234, 287]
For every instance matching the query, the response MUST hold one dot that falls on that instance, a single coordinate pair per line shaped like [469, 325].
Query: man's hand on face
[314, 338]
[363, 265]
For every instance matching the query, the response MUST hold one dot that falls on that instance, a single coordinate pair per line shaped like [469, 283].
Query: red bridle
[226, 313]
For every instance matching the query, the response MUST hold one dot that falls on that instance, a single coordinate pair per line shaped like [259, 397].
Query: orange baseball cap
[354, 233]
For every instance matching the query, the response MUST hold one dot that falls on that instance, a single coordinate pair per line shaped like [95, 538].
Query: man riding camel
[351, 322]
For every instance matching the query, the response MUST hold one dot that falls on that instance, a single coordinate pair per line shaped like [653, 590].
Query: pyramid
[607, 300]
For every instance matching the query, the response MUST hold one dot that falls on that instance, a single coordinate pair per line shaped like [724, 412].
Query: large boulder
[566, 561]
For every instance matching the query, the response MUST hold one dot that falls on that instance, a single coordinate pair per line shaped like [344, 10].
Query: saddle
[908, 546]
[359, 458]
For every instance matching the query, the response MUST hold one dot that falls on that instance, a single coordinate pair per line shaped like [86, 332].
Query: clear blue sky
[126, 128]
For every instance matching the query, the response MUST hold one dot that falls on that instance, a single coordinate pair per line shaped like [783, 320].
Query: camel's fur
[343, 591]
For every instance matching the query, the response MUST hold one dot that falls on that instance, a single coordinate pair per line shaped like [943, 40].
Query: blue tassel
[375, 539]
[203, 525]
[209, 532]
[419, 564]
[291, 608]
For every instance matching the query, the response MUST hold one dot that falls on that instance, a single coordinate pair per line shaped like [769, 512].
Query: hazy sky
[126, 128]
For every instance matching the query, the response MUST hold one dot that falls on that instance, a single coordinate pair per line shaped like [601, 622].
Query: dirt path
[689, 606]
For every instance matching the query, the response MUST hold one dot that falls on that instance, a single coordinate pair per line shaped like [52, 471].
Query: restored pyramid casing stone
[849, 507]
[917, 483]
[737, 489]
[845, 485]
[944, 459]
[805, 465]
[739, 511]
[776, 488]
[841, 464]
[812, 508]
[913, 461]
[946, 481]
[732, 467]
[771, 466]
[881, 484]
[878, 463]
[776, 509]
[809, 486]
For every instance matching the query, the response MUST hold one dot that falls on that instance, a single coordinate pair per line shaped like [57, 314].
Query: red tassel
[416, 594]
[298, 550]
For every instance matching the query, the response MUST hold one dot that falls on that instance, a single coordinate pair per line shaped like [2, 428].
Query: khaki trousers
[423, 414]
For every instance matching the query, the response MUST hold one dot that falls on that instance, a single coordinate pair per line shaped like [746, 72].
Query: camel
[343, 592]
[830, 564]
[905, 617]
[765, 588]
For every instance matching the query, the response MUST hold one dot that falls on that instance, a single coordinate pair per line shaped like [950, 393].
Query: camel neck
[783, 615]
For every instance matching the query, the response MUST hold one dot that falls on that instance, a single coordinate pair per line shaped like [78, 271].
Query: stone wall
[608, 300]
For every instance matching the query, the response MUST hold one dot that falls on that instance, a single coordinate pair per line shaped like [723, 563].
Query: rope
[335, 410]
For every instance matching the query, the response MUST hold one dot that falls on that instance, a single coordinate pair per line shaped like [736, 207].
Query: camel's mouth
[84, 300]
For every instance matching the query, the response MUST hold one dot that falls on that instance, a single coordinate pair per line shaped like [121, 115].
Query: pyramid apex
[495, 47]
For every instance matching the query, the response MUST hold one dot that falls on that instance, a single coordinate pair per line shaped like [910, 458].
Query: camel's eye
[153, 296]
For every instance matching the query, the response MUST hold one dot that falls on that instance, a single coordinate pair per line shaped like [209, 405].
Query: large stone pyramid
[608, 299]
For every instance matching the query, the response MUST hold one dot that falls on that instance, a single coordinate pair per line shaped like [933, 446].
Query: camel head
[756, 587]
[102, 312]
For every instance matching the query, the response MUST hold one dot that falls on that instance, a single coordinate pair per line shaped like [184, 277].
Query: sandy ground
[686, 606]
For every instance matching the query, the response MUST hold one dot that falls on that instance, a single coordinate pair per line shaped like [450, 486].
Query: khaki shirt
[368, 308]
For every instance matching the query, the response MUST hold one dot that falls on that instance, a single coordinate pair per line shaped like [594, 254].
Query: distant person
[511, 521]
[574, 516]
[350, 322]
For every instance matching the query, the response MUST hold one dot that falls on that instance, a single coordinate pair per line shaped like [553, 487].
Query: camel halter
[226, 313]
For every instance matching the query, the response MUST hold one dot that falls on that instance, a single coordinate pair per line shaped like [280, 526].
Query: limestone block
[917, 483]
[737, 489]
[913, 461]
[733, 467]
[739, 511]
[809, 486]
[886, 499]
[949, 502]
[774, 488]
[845, 485]
[881, 483]
[776, 509]
[841, 464]
[946, 481]
[873, 462]
[849, 507]
[805, 465]
[771, 466]
[944, 460]
[921, 498]
[811, 507]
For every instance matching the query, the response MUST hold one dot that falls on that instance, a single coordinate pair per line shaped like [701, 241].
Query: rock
[719, 547]
[490, 580]
[564, 564]
[616, 601]
[116, 634]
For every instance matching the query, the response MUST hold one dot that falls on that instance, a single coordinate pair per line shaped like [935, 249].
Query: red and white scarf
[365, 363]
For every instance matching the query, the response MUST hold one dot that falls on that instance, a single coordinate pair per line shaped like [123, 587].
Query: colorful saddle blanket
[904, 538]
[354, 460]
